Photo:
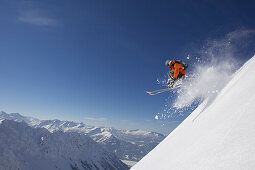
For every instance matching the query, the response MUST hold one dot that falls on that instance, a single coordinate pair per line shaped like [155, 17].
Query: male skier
[177, 71]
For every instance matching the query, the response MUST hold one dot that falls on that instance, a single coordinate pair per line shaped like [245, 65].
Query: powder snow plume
[213, 67]
[206, 80]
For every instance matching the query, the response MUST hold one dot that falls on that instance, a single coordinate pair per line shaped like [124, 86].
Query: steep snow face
[217, 135]
[24, 147]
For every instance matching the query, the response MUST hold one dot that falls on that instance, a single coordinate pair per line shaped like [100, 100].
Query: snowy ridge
[126, 144]
[19, 118]
[24, 147]
[219, 134]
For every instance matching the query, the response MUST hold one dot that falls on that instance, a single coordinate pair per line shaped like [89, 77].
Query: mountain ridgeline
[129, 145]
[25, 147]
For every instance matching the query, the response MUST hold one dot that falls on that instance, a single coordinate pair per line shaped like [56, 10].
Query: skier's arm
[171, 68]
[176, 71]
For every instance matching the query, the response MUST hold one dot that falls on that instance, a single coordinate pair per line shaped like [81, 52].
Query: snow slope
[218, 135]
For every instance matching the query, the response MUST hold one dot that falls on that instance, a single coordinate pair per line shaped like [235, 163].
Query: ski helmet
[168, 63]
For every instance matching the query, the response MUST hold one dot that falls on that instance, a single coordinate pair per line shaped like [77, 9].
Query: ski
[161, 90]
[158, 92]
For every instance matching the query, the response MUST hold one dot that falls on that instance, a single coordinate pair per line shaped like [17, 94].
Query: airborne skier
[175, 75]
[177, 71]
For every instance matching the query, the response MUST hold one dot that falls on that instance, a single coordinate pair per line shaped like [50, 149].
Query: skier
[177, 71]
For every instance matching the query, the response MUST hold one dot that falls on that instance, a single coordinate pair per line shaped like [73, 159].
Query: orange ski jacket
[177, 68]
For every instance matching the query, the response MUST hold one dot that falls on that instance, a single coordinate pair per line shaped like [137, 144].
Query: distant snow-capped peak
[137, 142]
[37, 148]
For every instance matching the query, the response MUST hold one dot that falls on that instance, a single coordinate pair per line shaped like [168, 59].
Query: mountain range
[130, 145]
[25, 147]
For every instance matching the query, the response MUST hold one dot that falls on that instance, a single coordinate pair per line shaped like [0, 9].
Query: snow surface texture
[24, 147]
[216, 136]
[129, 145]
[129, 163]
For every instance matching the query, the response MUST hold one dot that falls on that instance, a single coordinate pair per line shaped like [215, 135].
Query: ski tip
[150, 93]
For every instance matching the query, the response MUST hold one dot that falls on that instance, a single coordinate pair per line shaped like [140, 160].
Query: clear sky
[92, 61]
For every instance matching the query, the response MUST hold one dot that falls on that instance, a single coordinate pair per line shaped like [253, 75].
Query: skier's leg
[170, 80]
[170, 74]
[179, 80]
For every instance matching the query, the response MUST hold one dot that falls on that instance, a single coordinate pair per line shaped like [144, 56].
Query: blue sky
[92, 61]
